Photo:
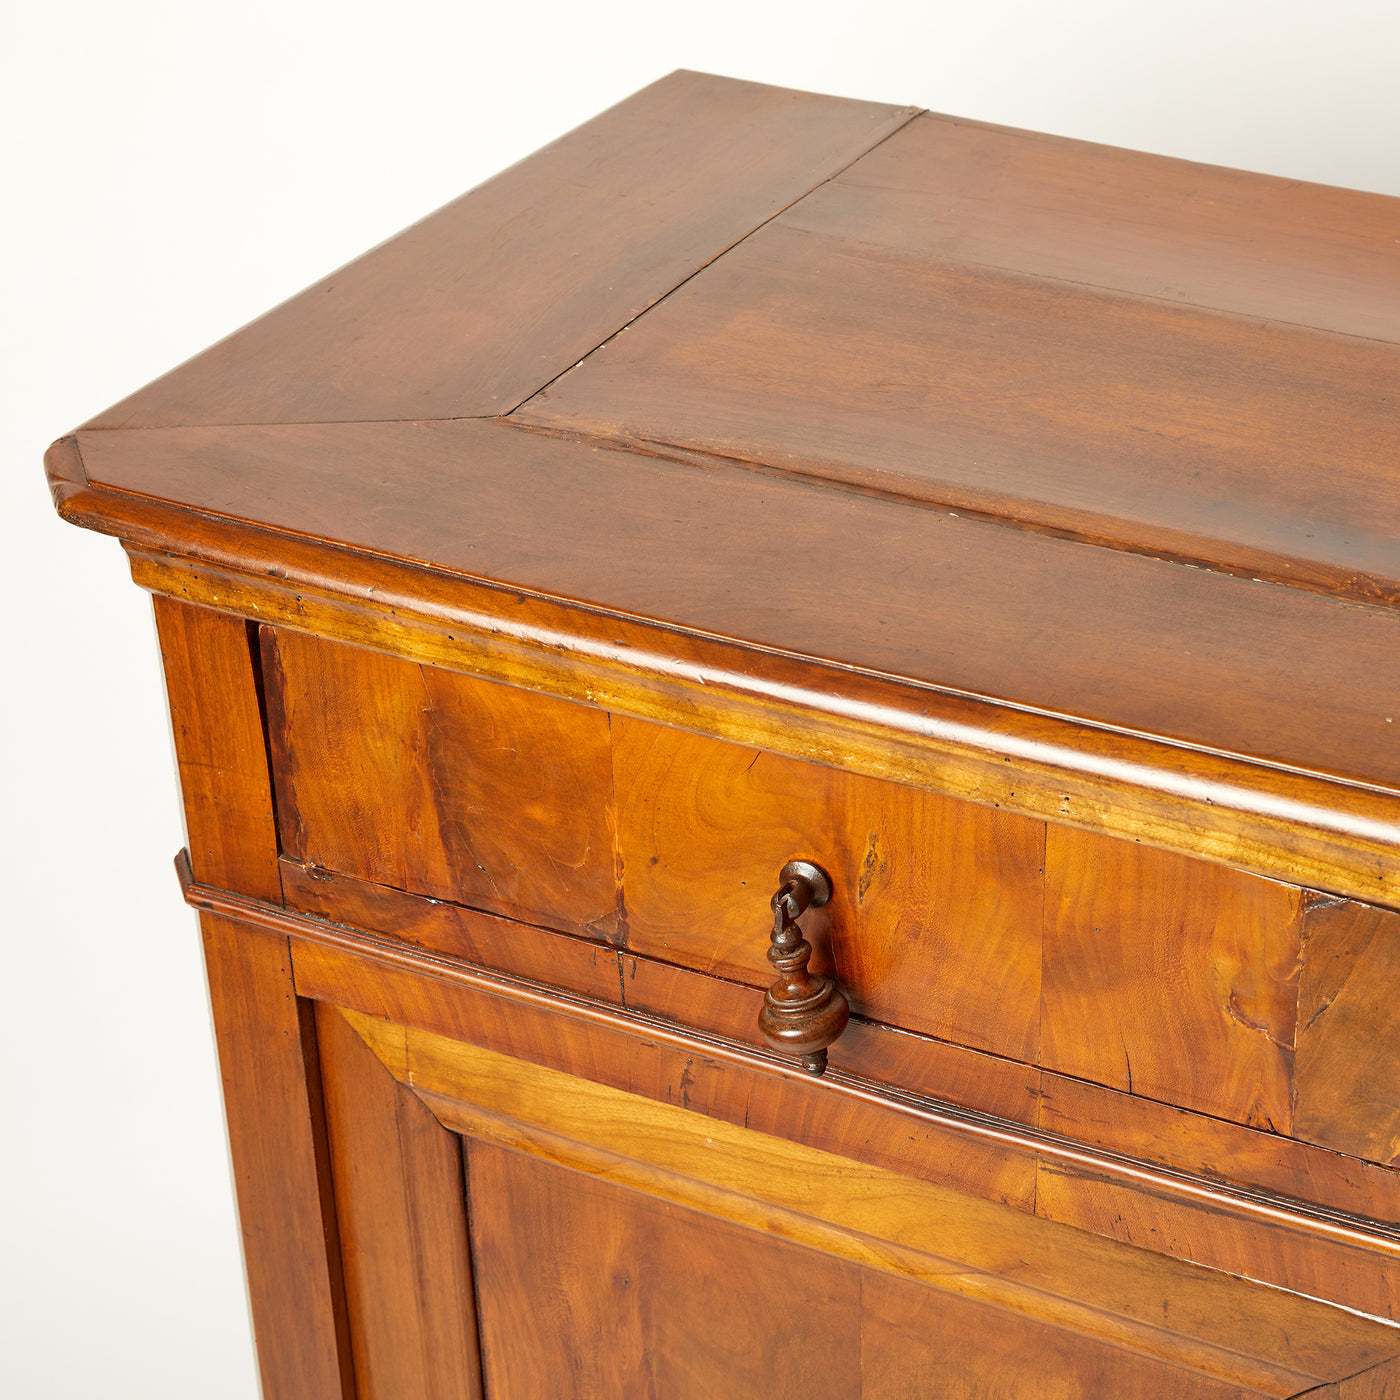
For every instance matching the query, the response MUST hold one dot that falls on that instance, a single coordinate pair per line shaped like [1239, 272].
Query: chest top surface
[1094, 454]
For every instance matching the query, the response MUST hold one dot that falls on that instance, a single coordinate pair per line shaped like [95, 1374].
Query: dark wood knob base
[802, 1014]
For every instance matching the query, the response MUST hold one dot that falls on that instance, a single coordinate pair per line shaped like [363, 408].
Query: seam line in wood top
[1340, 1226]
[911, 114]
[1099, 288]
[1356, 590]
[661, 450]
[658, 449]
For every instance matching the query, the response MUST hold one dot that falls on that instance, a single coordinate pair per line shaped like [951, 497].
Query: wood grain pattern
[917, 1341]
[560, 960]
[843, 343]
[1149, 225]
[573, 965]
[920, 1139]
[934, 920]
[266, 1042]
[881, 1054]
[1170, 978]
[890, 485]
[641, 1298]
[1225, 1327]
[1083, 1112]
[935, 599]
[211, 684]
[411, 777]
[1313, 832]
[1348, 1062]
[1211, 1147]
[267, 1060]
[1376, 1383]
[769, 1095]
[471, 310]
[1351, 1274]
[1246, 815]
[399, 1195]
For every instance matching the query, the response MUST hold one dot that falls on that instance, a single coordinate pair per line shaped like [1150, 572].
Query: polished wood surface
[847, 343]
[1218, 1325]
[1347, 1023]
[919, 1342]
[268, 1059]
[410, 1299]
[1244, 815]
[912, 343]
[1196, 1215]
[1096, 958]
[999, 522]
[1378, 1383]
[281, 1165]
[655, 1304]
[1123, 221]
[220, 750]
[655, 988]
[1171, 979]
[701, 824]
[1084, 1113]
[404, 775]
[471, 310]
[870, 586]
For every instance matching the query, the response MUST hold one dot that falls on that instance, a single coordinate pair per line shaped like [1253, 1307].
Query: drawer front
[1158, 976]
[934, 919]
[426, 781]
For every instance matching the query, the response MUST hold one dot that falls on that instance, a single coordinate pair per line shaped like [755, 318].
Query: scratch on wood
[1232, 1009]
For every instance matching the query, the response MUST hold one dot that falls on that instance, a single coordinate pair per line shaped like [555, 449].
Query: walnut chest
[789, 718]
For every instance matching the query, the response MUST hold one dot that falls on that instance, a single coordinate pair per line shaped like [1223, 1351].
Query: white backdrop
[175, 169]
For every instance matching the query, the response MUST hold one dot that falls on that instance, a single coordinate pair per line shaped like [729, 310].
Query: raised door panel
[921, 1344]
[401, 1209]
[587, 1288]
[590, 1289]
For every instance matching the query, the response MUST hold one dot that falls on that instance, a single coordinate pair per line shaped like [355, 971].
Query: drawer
[1099, 960]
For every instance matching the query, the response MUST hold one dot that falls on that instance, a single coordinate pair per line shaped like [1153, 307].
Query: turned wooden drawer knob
[802, 1014]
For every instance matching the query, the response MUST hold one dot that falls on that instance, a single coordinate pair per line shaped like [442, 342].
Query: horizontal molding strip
[1337, 1226]
[1302, 827]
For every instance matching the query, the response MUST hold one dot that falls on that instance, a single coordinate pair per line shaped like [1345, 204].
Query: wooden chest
[1009, 529]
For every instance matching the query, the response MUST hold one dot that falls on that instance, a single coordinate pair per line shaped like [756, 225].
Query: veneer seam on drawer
[1288, 1212]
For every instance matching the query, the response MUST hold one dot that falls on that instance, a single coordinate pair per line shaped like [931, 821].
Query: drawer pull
[802, 1014]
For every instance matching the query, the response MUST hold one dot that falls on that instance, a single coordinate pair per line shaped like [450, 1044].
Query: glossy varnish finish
[268, 1057]
[1222, 1328]
[1005, 524]
[1100, 959]
[483, 795]
[411, 1303]
[454, 320]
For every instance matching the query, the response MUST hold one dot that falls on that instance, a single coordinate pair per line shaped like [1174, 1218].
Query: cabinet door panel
[589, 1289]
[915, 1344]
[403, 1229]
